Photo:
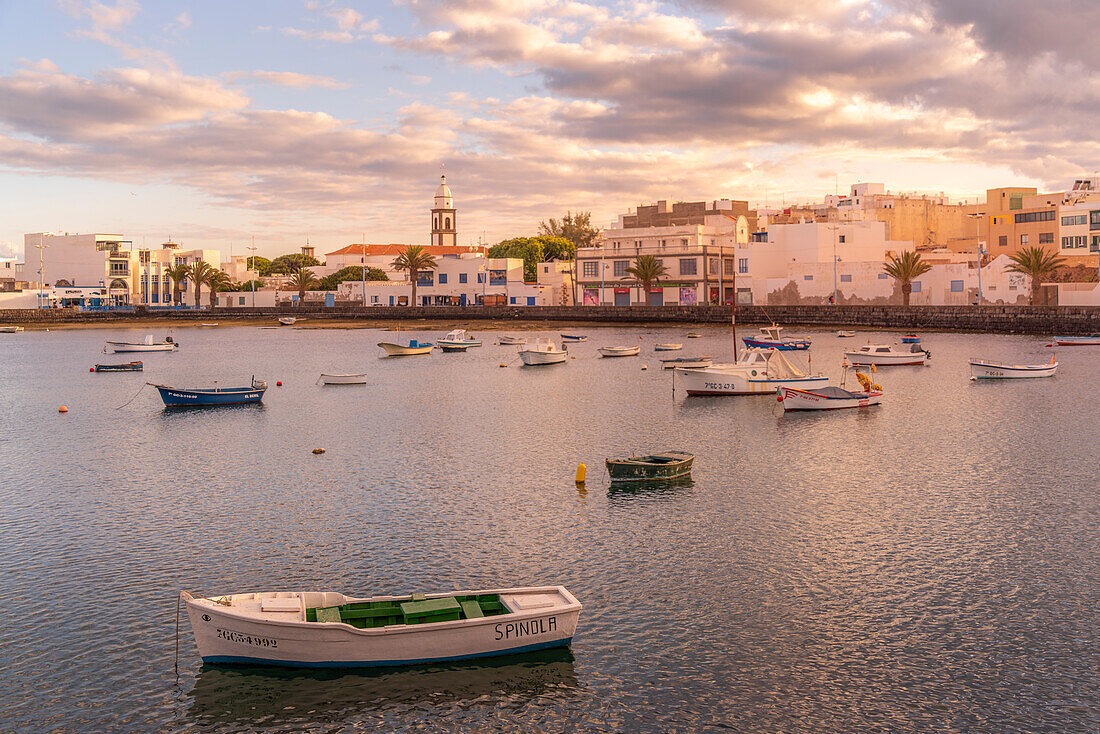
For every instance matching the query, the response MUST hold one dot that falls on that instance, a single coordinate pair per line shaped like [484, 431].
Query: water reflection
[655, 488]
[282, 697]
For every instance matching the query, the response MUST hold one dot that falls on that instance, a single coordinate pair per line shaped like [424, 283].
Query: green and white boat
[667, 465]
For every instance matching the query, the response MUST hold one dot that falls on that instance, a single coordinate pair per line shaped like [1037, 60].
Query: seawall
[1070, 320]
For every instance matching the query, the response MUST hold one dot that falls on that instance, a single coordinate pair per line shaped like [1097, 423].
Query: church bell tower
[444, 226]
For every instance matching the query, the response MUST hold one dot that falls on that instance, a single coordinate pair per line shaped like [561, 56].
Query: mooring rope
[133, 398]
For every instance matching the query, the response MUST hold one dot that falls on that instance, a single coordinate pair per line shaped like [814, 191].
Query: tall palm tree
[218, 281]
[199, 273]
[412, 260]
[647, 270]
[1037, 264]
[303, 280]
[905, 270]
[177, 274]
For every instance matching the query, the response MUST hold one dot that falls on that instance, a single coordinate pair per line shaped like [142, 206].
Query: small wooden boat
[910, 339]
[1077, 341]
[287, 321]
[458, 338]
[619, 351]
[667, 347]
[209, 323]
[124, 367]
[827, 398]
[512, 340]
[175, 397]
[542, 352]
[688, 363]
[10, 329]
[413, 349]
[349, 379]
[984, 369]
[884, 354]
[168, 345]
[770, 338]
[693, 335]
[667, 465]
[845, 334]
[574, 338]
[315, 629]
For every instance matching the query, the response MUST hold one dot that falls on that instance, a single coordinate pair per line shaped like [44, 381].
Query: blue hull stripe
[239, 659]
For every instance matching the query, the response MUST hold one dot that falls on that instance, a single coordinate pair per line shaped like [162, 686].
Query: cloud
[103, 16]
[350, 24]
[291, 79]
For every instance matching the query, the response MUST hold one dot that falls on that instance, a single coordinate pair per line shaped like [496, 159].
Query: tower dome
[443, 198]
[444, 216]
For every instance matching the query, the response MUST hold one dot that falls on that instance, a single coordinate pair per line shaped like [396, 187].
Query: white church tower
[444, 226]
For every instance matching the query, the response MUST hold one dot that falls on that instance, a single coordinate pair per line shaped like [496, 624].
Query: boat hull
[790, 345]
[794, 399]
[10, 329]
[1077, 341]
[619, 351]
[881, 360]
[343, 379]
[397, 350]
[120, 347]
[223, 636]
[536, 359]
[512, 340]
[667, 347]
[687, 364]
[991, 371]
[127, 367]
[573, 338]
[178, 398]
[708, 381]
[624, 471]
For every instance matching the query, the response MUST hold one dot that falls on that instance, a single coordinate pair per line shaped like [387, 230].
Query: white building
[459, 279]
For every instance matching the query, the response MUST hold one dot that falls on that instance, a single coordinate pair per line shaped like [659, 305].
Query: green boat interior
[418, 609]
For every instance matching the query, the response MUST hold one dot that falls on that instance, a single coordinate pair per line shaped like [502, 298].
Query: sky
[216, 122]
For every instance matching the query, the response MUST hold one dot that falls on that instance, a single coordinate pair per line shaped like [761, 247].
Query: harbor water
[930, 564]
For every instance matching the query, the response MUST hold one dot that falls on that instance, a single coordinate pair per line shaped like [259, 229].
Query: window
[1047, 216]
[916, 286]
[620, 268]
[1023, 239]
[687, 265]
[742, 265]
[446, 223]
[842, 238]
[1067, 242]
[1094, 220]
[727, 266]
[374, 299]
[498, 277]
[530, 300]
[1080, 240]
[713, 264]
[1003, 240]
[956, 286]
[807, 277]
[240, 300]
[1046, 238]
[425, 277]
[845, 279]
[1074, 220]
[883, 276]
[662, 243]
[683, 243]
[591, 270]
[513, 300]
[462, 277]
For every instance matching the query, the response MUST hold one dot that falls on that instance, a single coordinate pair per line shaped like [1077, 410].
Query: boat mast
[733, 307]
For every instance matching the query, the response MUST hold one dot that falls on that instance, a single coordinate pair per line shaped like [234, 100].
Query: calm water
[929, 565]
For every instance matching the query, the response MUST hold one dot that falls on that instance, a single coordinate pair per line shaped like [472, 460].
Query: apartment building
[1066, 223]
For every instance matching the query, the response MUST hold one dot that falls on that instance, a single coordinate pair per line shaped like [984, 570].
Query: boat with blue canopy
[176, 397]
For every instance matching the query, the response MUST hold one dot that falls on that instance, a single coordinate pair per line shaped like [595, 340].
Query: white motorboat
[287, 321]
[542, 352]
[458, 338]
[885, 354]
[574, 338]
[314, 629]
[414, 348]
[832, 397]
[619, 351]
[513, 340]
[770, 336]
[984, 369]
[759, 371]
[148, 345]
[842, 334]
[1077, 341]
[688, 363]
[10, 329]
[667, 347]
[349, 379]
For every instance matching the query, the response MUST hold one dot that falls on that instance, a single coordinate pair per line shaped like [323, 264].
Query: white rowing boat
[512, 340]
[667, 347]
[400, 350]
[542, 352]
[688, 363]
[10, 329]
[984, 369]
[148, 345]
[826, 398]
[349, 379]
[330, 630]
[619, 351]
[884, 354]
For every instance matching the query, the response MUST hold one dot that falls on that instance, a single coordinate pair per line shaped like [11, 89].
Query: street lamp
[246, 269]
[41, 280]
[977, 216]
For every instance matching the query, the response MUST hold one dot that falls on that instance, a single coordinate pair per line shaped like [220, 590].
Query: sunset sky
[213, 121]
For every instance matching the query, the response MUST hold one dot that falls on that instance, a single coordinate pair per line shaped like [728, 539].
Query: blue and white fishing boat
[175, 397]
[984, 369]
[573, 338]
[458, 338]
[910, 339]
[770, 338]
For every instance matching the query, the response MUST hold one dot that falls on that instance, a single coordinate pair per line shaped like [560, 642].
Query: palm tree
[648, 270]
[412, 260]
[177, 274]
[303, 280]
[1037, 264]
[218, 281]
[905, 270]
[199, 273]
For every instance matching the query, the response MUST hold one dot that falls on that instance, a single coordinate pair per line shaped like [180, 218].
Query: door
[622, 299]
[657, 297]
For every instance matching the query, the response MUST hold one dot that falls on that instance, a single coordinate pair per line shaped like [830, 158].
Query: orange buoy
[318, 451]
[63, 409]
[279, 383]
[91, 369]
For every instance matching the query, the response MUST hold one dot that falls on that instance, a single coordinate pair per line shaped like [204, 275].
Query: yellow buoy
[582, 471]
[644, 367]
[63, 409]
[503, 364]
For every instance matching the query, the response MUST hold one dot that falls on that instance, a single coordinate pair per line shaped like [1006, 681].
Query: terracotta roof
[395, 250]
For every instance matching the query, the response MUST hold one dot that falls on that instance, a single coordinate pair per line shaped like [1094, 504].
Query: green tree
[647, 270]
[412, 260]
[243, 286]
[1036, 263]
[303, 280]
[199, 273]
[578, 229]
[534, 250]
[217, 281]
[352, 272]
[905, 270]
[260, 264]
[177, 274]
[292, 263]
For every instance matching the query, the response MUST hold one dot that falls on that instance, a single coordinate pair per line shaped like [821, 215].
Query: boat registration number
[242, 638]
